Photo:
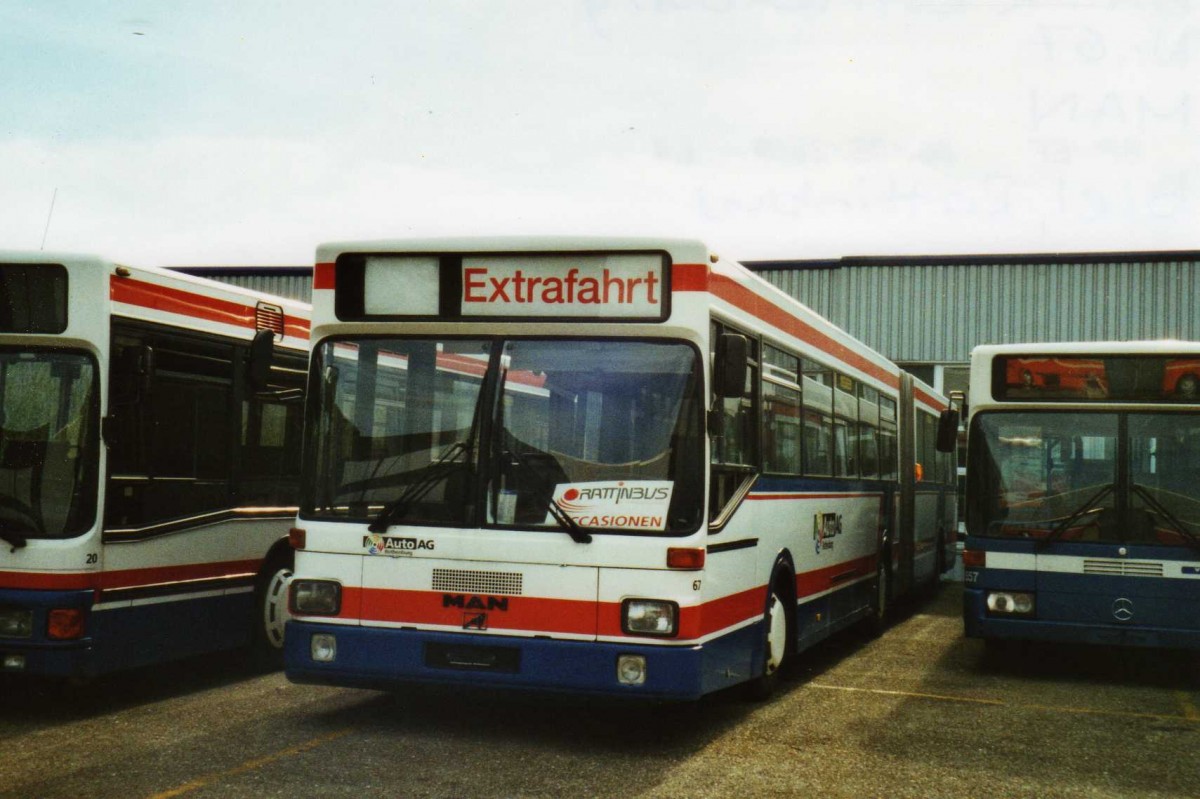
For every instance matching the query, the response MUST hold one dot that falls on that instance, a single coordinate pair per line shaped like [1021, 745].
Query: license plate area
[502, 659]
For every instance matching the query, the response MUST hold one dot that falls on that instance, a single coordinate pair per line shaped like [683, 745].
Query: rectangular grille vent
[1123, 568]
[269, 317]
[477, 582]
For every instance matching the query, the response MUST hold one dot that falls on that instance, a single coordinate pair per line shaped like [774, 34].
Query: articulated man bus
[609, 466]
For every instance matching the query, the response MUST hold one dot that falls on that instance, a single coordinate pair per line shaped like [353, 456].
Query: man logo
[474, 621]
[1123, 609]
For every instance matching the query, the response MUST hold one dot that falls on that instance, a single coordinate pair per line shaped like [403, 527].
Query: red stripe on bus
[196, 306]
[721, 613]
[324, 277]
[535, 614]
[159, 575]
[821, 580]
[697, 277]
[126, 578]
[574, 616]
[528, 614]
[43, 581]
[928, 399]
[689, 277]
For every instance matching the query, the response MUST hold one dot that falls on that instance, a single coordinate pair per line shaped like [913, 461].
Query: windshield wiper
[577, 533]
[437, 471]
[1084, 509]
[1161, 509]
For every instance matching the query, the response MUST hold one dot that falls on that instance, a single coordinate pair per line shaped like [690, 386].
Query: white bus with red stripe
[611, 466]
[150, 428]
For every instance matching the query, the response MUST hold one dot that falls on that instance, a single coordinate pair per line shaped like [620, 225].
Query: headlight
[631, 670]
[1010, 603]
[316, 597]
[323, 648]
[16, 623]
[649, 617]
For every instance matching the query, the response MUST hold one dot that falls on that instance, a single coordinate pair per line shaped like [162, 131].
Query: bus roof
[1154, 347]
[731, 283]
[692, 250]
[157, 294]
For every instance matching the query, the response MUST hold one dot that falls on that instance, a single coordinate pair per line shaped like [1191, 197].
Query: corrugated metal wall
[292, 282]
[936, 312]
[292, 287]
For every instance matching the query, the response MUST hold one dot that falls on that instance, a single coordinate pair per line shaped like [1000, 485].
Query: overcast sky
[247, 132]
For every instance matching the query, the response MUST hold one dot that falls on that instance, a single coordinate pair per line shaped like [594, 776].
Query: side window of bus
[818, 418]
[173, 413]
[927, 446]
[734, 432]
[781, 412]
[888, 453]
[271, 428]
[173, 427]
[868, 430]
[845, 407]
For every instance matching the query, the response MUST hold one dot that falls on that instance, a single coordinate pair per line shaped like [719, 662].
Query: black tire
[271, 611]
[777, 639]
[939, 568]
[881, 601]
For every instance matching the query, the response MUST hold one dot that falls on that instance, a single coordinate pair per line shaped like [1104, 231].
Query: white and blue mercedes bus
[1083, 494]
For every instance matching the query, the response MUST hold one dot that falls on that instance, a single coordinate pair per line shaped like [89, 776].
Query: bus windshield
[48, 444]
[1130, 478]
[495, 433]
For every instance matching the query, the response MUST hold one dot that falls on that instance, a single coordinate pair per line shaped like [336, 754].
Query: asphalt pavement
[918, 712]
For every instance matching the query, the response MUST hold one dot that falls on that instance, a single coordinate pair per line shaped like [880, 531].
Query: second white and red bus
[150, 427]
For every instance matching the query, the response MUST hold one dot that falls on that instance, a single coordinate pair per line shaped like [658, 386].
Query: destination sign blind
[632, 286]
[563, 286]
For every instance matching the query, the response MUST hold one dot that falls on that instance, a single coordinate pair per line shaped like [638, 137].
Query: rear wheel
[881, 604]
[271, 611]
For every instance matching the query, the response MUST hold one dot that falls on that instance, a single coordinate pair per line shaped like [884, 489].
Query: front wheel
[776, 645]
[271, 611]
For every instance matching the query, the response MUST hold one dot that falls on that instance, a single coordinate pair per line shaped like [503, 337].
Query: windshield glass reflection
[48, 444]
[564, 435]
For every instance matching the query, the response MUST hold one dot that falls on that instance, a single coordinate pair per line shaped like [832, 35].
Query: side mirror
[947, 432]
[729, 365]
[258, 367]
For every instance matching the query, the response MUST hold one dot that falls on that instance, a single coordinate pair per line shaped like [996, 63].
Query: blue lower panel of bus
[121, 638]
[1091, 618]
[386, 658]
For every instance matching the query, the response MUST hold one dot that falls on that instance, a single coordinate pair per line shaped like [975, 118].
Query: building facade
[928, 312]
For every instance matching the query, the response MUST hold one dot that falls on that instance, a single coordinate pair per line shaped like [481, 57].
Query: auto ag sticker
[621, 504]
[394, 546]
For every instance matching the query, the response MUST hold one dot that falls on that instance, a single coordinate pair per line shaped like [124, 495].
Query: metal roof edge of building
[978, 259]
[230, 271]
